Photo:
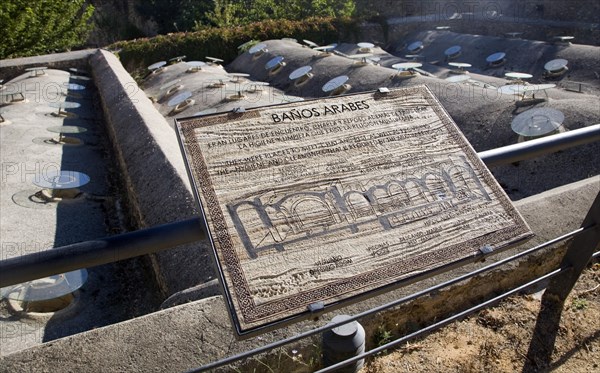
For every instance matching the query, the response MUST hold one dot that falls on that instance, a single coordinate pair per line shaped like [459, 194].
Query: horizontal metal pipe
[100, 251]
[111, 249]
[444, 322]
[537, 147]
[375, 310]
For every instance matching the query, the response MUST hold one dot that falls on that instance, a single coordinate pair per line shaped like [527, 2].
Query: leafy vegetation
[223, 42]
[239, 12]
[579, 303]
[187, 15]
[175, 15]
[382, 336]
[32, 27]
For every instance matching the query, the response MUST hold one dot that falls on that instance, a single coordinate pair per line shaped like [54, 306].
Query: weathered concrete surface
[28, 227]
[559, 210]
[152, 166]
[193, 334]
[13, 67]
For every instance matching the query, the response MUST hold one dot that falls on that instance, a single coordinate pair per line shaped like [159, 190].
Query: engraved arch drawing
[437, 186]
[398, 190]
[311, 212]
[465, 182]
[415, 189]
[382, 200]
[282, 224]
[358, 204]
[253, 225]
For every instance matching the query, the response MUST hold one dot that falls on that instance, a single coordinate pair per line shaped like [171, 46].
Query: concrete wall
[152, 167]
[570, 10]
[536, 19]
[530, 29]
[14, 67]
[557, 10]
[441, 8]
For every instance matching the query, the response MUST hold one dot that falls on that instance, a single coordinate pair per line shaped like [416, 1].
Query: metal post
[578, 255]
[344, 342]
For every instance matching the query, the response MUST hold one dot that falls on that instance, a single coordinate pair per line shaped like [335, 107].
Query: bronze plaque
[315, 203]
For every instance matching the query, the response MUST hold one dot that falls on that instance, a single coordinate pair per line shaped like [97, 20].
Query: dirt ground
[497, 339]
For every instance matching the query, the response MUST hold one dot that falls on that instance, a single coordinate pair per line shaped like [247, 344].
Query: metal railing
[442, 323]
[389, 305]
[100, 251]
[537, 147]
[146, 241]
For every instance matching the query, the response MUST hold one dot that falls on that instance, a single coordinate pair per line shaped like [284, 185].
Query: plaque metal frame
[343, 206]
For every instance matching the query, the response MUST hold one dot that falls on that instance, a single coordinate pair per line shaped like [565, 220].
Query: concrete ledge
[193, 334]
[559, 210]
[13, 67]
[150, 161]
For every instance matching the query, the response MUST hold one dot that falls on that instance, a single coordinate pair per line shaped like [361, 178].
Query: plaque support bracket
[579, 253]
[316, 309]
[486, 249]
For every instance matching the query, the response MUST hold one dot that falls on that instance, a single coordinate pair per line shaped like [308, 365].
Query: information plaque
[316, 203]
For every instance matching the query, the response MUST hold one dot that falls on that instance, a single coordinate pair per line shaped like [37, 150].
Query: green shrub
[240, 12]
[223, 42]
[33, 27]
[382, 336]
[579, 303]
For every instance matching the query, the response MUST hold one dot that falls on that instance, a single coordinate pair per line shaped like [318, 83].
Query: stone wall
[158, 189]
[557, 10]
[571, 10]
[535, 22]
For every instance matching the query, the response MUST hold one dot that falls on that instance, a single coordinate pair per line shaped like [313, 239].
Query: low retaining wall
[531, 29]
[152, 168]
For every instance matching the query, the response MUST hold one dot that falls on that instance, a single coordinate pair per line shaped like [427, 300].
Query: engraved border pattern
[374, 279]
